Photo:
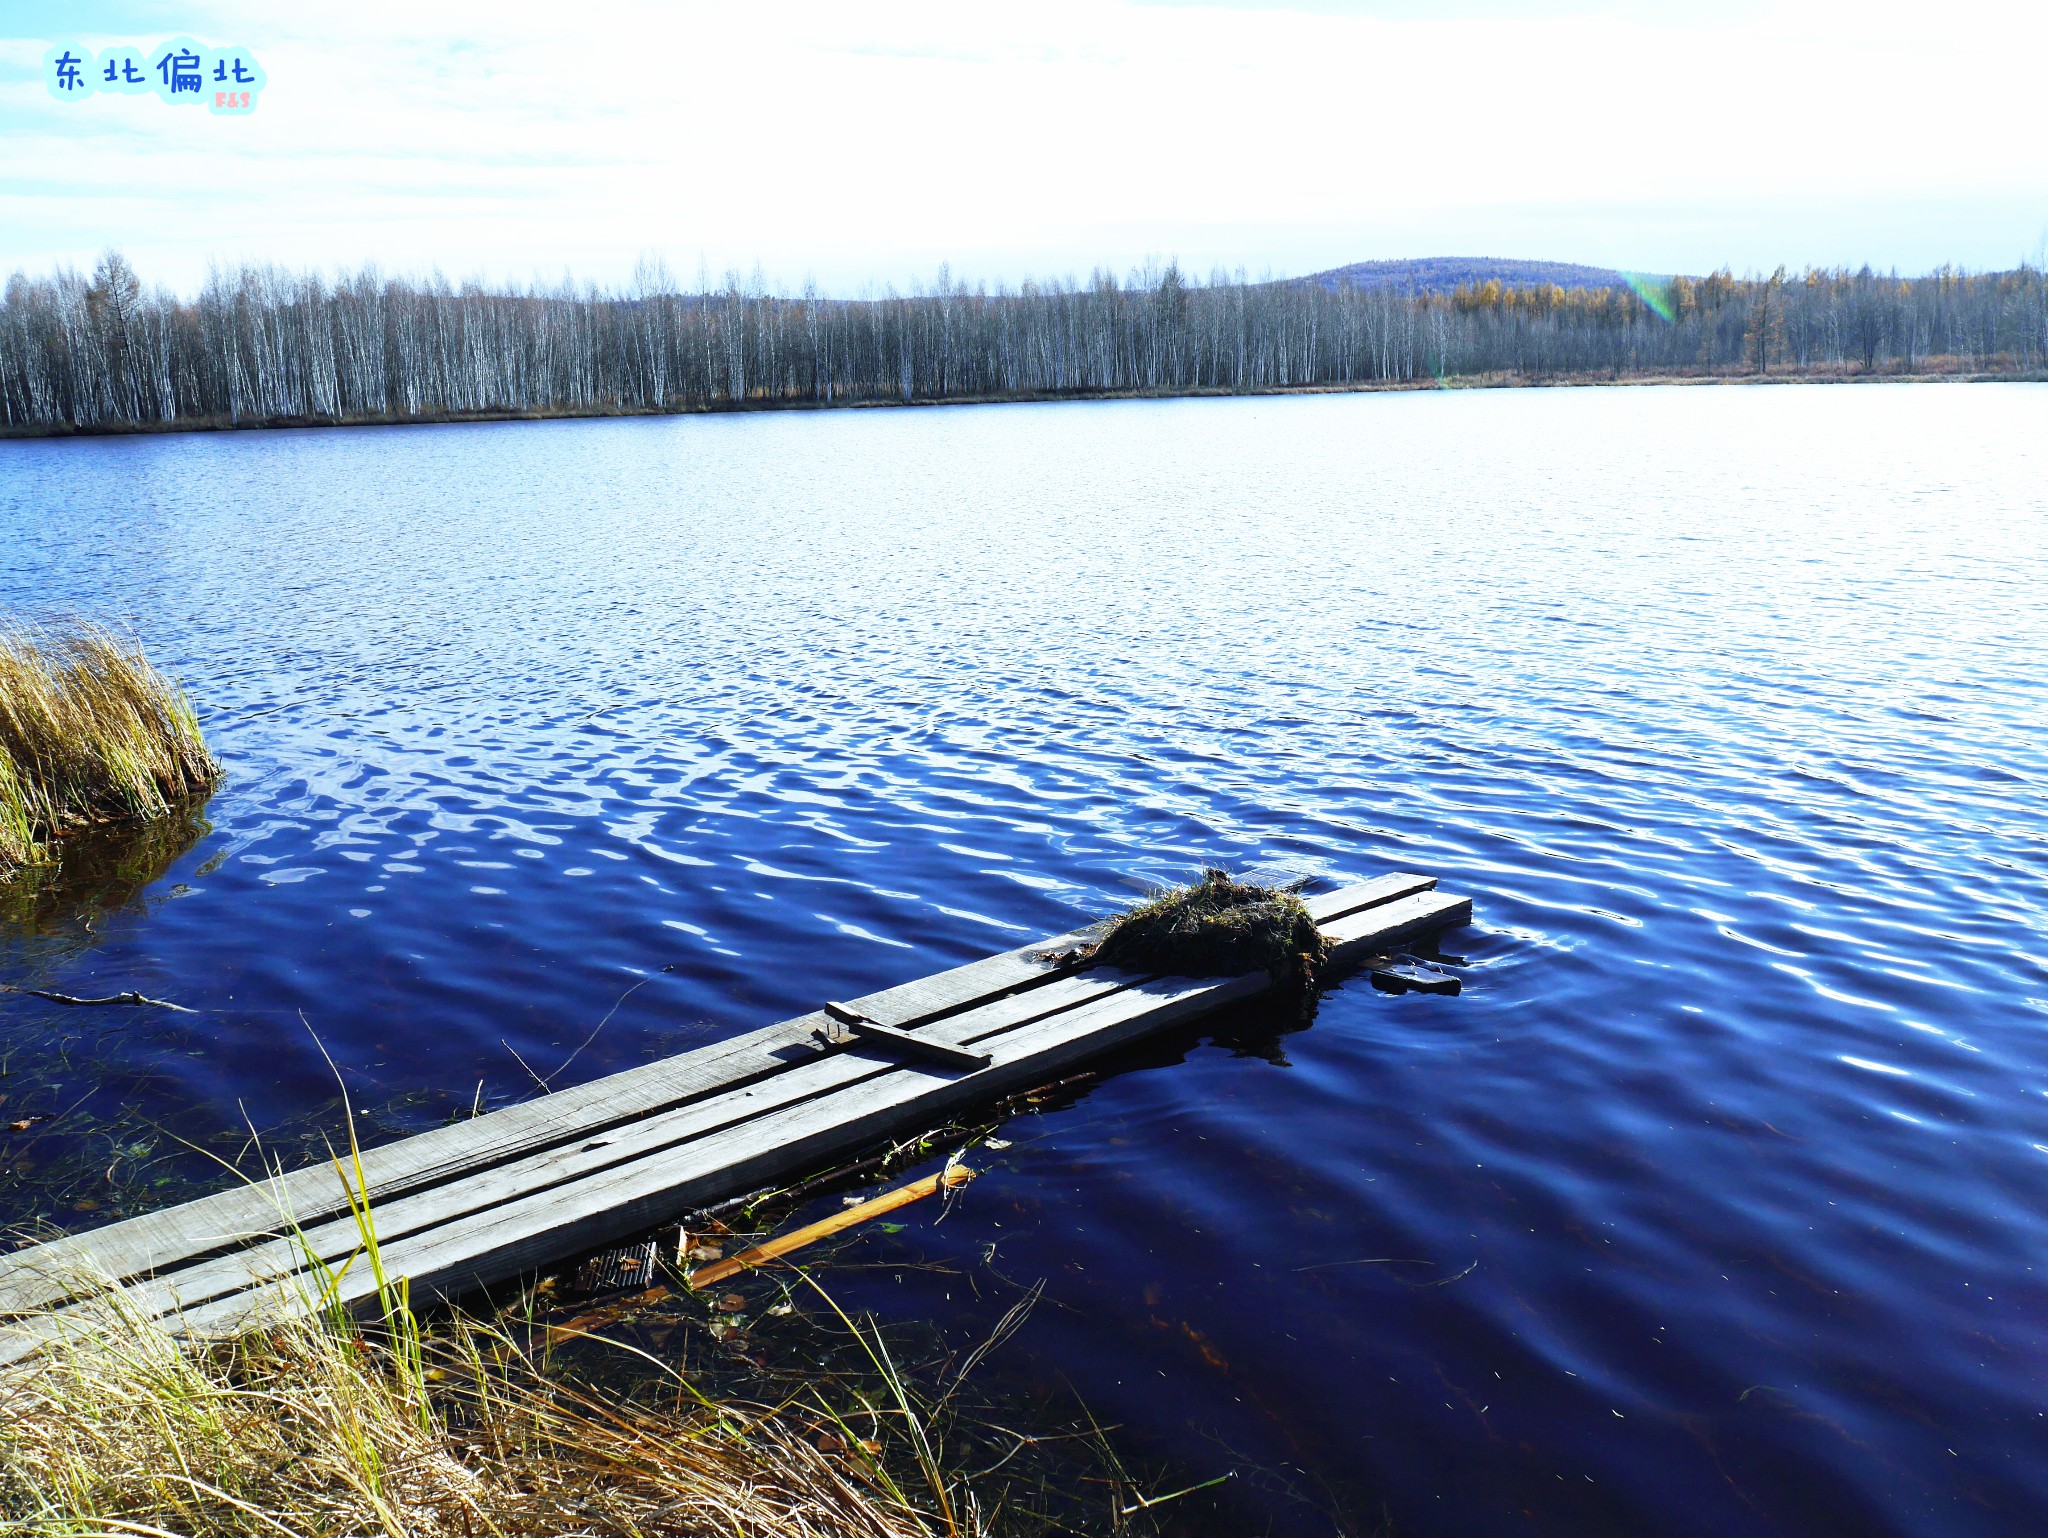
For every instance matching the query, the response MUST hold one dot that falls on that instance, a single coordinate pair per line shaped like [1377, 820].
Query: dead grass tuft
[1217, 927]
[306, 1427]
[90, 733]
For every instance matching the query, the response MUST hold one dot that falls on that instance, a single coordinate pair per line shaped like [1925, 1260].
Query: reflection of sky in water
[1722, 703]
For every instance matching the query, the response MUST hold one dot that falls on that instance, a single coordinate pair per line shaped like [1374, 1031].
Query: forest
[260, 345]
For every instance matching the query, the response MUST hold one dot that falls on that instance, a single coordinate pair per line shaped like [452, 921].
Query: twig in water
[586, 1041]
[1146, 1503]
[523, 1063]
[1442, 1281]
[951, 1178]
[761, 1254]
[1380, 1260]
[1007, 1326]
[130, 997]
[717, 1210]
[1022, 1442]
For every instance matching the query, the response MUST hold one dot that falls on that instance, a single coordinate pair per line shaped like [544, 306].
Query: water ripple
[1713, 1205]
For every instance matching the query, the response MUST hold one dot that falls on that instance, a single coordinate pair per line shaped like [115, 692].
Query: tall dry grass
[303, 1429]
[311, 1424]
[90, 733]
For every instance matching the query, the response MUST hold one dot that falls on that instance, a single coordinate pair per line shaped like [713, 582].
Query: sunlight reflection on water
[1723, 704]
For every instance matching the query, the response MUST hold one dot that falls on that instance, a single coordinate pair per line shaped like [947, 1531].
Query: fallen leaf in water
[609, 1314]
[870, 1446]
[828, 1443]
[732, 1302]
[85, 1205]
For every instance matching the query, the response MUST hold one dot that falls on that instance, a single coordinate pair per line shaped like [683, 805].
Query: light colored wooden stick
[811, 1233]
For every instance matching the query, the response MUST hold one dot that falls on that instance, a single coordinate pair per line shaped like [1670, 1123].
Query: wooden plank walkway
[485, 1200]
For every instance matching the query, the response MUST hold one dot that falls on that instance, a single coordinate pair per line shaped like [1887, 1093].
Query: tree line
[260, 344]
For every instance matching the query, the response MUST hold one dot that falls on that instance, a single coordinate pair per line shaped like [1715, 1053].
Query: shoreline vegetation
[315, 1419]
[1927, 375]
[579, 1405]
[91, 736]
[262, 347]
[310, 1424]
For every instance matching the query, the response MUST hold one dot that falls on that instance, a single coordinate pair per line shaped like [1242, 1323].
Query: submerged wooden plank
[742, 1141]
[838, 1223]
[505, 1234]
[196, 1245]
[520, 1235]
[404, 1218]
[34, 1278]
[1357, 935]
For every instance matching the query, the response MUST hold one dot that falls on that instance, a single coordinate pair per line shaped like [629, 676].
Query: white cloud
[872, 142]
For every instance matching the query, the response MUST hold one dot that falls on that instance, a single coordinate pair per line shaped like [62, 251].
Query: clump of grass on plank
[1218, 927]
[90, 734]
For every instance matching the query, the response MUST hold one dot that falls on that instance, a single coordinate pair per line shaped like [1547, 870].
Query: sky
[862, 145]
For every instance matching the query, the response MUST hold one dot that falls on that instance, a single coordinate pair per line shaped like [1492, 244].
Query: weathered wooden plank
[34, 1278]
[500, 1238]
[402, 1219]
[1358, 935]
[611, 1145]
[520, 1235]
[928, 1047]
[572, 1199]
[214, 1225]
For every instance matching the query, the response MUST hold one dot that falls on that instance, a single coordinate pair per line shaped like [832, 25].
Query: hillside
[1442, 274]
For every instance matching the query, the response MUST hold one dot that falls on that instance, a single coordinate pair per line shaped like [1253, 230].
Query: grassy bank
[314, 1427]
[90, 734]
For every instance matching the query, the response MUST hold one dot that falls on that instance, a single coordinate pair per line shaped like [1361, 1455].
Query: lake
[1715, 1203]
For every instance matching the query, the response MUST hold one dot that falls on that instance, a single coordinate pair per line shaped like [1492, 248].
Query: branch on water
[142, 1000]
[704, 1276]
[1146, 1503]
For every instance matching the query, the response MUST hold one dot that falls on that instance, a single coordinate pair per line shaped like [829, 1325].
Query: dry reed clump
[307, 1428]
[90, 733]
[1217, 927]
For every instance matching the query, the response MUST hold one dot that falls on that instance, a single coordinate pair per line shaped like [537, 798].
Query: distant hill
[1442, 274]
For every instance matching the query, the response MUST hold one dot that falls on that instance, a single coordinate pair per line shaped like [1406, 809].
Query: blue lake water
[1715, 1204]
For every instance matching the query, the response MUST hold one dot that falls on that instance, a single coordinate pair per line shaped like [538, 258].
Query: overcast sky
[866, 143]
